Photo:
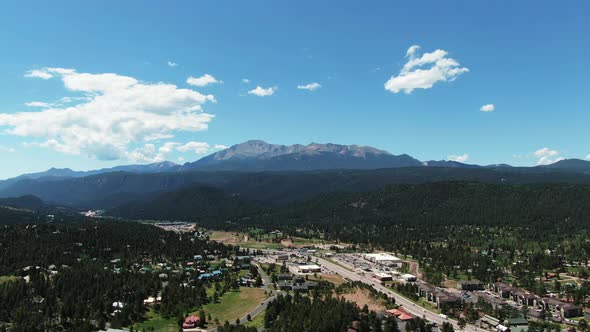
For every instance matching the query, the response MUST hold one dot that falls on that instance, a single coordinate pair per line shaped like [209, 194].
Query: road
[259, 308]
[408, 305]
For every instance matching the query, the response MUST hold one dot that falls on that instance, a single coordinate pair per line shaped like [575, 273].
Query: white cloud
[6, 149]
[172, 64]
[547, 156]
[245, 80]
[588, 157]
[310, 86]
[146, 154]
[263, 92]
[180, 159]
[118, 112]
[203, 80]
[167, 147]
[459, 158]
[220, 147]
[196, 147]
[488, 108]
[422, 72]
[39, 73]
[38, 104]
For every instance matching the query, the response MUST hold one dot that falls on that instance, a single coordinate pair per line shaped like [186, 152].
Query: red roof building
[191, 322]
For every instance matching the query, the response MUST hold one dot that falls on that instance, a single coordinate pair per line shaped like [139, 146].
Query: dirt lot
[362, 297]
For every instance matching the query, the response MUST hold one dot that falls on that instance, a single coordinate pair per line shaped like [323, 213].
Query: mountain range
[273, 174]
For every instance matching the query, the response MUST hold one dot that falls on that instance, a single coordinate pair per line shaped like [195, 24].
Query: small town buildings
[518, 324]
[309, 268]
[284, 276]
[300, 288]
[281, 258]
[384, 259]
[556, 307]
[283, 285]
[243, 262]
[409, 277]
[438, 296]
[489, 322]
[383, 276]
[191, 322]
[502, 289]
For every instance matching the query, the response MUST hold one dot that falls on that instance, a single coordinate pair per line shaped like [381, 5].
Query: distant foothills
[256, 173]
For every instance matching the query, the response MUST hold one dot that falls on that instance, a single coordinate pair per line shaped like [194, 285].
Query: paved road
[261, 307]
[408, 305]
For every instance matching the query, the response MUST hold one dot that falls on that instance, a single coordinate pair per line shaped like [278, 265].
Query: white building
[409, 277]
[384, 259]
[309, 268]
[383, 276]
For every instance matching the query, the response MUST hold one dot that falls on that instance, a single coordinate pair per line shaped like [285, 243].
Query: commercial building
[409, 277]
[383, 276]
[309, 268]
[384, 259]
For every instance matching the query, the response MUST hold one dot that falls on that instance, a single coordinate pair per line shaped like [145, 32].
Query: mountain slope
[29, 202]
[575, 165]
[194, 203]
[258, 155]
[59, 173]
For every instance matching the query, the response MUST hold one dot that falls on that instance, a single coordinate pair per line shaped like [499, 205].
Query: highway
[408, 305]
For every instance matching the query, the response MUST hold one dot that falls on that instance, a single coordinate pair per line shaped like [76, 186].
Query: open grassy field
[157, 322]
[243, 240]
[234, 305]
[332, 278]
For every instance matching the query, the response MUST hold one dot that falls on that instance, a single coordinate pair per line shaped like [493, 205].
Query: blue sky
[527, 58]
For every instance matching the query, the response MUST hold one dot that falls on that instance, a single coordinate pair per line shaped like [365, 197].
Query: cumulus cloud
[196, 147]
[172, 64]
[38, 104]
[146, 154]
[117, 113]
[202, 81]
[422, 72]
[459, 158]
[220, 147]
[488, 108]
[310, 86]
[547, 156]
[39, 73]
[263, 92]
[245, 80]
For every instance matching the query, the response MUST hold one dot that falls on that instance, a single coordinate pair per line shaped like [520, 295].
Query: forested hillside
[109, 190]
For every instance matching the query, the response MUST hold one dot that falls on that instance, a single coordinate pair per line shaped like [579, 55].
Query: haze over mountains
[256, 171]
